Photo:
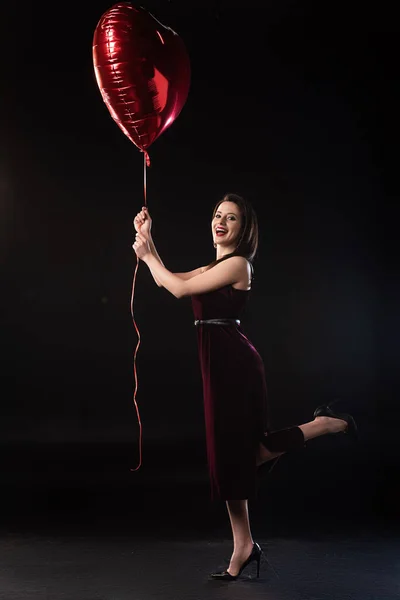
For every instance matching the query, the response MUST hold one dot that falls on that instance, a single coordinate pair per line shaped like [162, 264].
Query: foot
[239, 556]
[328, 411]
[332, 425]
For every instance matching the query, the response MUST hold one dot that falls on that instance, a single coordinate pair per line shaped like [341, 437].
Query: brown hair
[248, 235]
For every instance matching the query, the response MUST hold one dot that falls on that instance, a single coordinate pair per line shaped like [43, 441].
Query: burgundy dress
[234, 391]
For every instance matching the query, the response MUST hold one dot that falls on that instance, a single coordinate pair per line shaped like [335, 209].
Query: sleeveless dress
[234, 393]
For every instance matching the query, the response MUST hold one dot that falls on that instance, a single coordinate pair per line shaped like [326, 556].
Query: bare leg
[242, 539]
[238, 509]
[319, 426]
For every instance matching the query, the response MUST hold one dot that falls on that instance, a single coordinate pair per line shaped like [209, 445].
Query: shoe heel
[258, 567]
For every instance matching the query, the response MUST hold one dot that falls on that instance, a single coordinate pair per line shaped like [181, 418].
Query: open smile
[219, 231]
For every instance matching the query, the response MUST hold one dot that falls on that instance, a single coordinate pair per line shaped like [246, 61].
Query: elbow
[181, 292]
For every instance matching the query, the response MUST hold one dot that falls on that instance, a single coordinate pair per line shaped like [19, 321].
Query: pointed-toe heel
[255, 555]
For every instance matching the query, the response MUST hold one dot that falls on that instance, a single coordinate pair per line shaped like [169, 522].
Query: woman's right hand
[142, 223]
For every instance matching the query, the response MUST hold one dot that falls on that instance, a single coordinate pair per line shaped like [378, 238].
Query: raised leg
[292, 437]
[279, 442]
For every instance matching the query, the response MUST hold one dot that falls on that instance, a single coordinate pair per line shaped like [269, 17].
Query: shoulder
[240, 262]
[244, 270]
[234, 264]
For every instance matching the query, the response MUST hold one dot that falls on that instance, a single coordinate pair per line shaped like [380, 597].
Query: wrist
[148, 258]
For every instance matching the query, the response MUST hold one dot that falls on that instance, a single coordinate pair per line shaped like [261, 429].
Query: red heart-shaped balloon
[143, 72]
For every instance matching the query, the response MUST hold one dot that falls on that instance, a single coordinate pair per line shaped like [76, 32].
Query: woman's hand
[142, 223]
[141, 247]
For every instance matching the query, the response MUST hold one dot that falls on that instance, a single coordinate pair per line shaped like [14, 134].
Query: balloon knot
[146, 154]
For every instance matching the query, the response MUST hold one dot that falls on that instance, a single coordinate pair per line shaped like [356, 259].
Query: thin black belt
[217, 322]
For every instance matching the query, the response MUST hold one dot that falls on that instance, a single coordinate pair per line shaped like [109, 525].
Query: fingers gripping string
[146, 163]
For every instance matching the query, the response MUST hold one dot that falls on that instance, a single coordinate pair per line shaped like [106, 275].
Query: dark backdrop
[289, 106]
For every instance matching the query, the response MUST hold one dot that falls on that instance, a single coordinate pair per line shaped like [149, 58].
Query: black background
[293, 105]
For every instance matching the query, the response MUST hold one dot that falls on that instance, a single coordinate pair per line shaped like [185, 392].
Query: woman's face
[226, 225]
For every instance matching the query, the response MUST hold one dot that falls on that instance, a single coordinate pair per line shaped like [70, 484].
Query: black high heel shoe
[255, 555]
[326, 411]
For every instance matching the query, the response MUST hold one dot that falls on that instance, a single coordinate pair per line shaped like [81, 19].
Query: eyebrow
[230, 213]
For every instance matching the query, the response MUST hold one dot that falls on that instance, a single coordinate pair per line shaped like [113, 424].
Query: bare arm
[183, 276]
[157, 256]
[190, 274]
[142, 225]
[227, 272]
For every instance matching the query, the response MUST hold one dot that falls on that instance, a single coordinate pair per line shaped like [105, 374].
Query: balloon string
[146, 164]
[146, 160]
[134, 369]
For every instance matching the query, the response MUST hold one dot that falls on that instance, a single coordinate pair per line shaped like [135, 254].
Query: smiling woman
[226, 224]
[234, 387]
[234, 228]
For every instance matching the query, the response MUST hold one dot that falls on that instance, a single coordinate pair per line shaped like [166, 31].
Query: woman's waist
[223, 331]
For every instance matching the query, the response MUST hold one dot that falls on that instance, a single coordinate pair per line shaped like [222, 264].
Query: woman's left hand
[141, 247]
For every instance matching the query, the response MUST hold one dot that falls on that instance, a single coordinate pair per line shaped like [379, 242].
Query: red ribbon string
[146, 163]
